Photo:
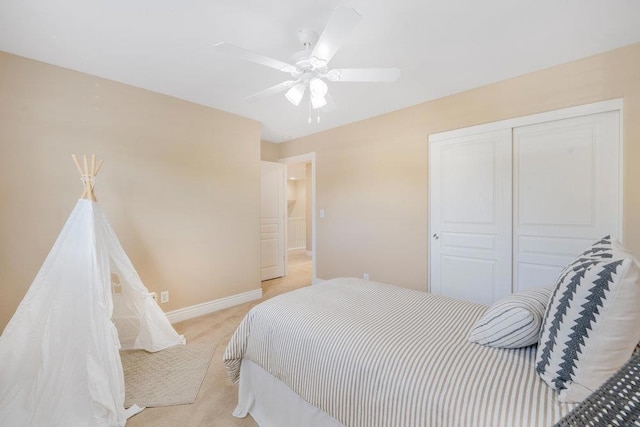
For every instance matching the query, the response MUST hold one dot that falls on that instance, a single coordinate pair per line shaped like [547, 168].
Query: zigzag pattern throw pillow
[592, 322]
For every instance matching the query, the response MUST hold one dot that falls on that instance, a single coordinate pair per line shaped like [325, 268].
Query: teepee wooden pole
[88, 176]
[75, 160]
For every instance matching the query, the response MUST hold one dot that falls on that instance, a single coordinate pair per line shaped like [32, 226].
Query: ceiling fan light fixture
[318, 101]
[318, 87]
[295, 94]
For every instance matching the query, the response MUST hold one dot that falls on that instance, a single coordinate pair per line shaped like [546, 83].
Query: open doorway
[300, 215]
[299, 259]
[296, 189]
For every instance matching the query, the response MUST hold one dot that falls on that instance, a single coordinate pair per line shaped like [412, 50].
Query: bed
[359, 353]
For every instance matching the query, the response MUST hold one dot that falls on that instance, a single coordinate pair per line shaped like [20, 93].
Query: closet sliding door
[565, 193]
[470, 199]
[512, 203]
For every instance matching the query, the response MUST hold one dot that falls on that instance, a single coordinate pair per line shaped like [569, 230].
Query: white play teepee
[59, 359]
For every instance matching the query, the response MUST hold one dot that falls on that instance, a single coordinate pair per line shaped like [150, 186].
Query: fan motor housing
[301, 58]
[307, 37]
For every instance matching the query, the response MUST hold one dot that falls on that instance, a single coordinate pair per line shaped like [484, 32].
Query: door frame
[548, 116]
[303, 158]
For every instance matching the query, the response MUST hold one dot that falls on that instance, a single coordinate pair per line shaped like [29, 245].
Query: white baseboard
[296, 251]
[211, 306]
[309, 253]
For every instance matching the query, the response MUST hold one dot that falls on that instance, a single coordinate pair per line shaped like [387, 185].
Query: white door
[272, 220]
[470, 211]
[566, 193]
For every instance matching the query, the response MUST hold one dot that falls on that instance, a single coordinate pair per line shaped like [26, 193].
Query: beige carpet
[218, 396]
[169, 377]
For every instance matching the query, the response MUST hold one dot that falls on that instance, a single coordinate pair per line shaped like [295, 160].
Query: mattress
[371, 354]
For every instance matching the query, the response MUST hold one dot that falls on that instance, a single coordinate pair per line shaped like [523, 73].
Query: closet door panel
[471, 217]
[566, 180]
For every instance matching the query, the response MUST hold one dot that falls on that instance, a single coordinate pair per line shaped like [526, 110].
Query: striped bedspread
[371, 354]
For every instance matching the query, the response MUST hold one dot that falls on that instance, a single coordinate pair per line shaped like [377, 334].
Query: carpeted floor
[218, 397]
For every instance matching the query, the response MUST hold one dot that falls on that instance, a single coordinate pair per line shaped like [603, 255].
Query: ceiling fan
[310, 67]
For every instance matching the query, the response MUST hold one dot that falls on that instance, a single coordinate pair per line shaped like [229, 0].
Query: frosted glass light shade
[318, 101]
[295, 94]
[318, 87]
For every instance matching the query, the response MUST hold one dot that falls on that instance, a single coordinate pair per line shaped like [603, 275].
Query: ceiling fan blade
[364, 75]
[236, 52]
[342, 21]
[273, 90]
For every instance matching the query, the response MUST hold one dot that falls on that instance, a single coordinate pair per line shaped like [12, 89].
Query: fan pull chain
[318, 118]
[309, 119]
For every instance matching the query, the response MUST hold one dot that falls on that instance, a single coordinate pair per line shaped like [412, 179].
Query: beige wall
[371, 176]
[269, 151]
[180, 182]
[296, 199]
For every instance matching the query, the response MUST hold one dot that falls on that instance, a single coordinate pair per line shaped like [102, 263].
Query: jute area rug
[168, 377]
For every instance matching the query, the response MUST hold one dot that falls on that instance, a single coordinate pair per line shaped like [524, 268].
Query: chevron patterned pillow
[592, 322]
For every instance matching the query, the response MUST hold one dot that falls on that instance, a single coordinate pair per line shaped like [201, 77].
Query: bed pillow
[514, 321]
[591, 326]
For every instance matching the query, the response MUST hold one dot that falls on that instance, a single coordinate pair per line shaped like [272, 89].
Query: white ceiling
[441, 47]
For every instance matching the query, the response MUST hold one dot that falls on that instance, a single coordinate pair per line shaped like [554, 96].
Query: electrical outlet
[365, 276]
[164, 297]
[154, 295]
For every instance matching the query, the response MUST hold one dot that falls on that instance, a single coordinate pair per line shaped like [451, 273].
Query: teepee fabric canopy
[59, 354]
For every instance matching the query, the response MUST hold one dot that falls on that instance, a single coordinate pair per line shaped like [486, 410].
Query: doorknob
[435, 236]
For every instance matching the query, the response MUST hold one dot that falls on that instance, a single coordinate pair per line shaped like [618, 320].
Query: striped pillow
[514, 321]
[591, 325]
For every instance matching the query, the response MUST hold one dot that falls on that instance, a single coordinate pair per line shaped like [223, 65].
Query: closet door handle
[436, 236]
